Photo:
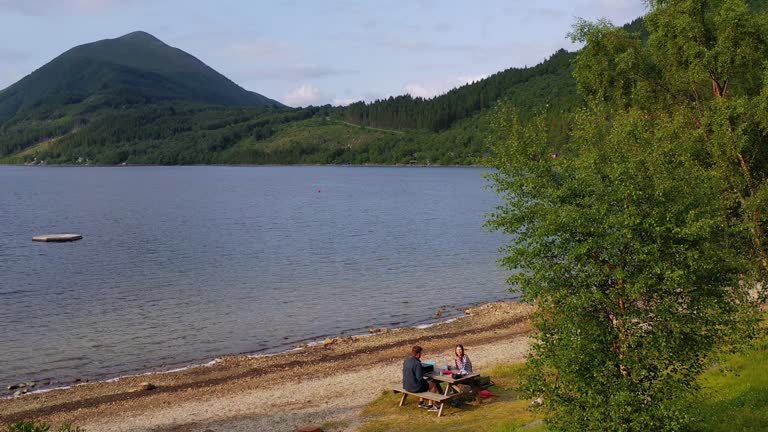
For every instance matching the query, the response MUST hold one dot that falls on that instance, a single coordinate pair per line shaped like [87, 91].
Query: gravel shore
[326, 382]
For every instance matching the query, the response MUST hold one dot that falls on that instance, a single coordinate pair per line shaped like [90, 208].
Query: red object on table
[447, 372]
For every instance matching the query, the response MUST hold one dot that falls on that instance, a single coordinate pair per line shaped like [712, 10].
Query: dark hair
[416, 350]
[458, 346]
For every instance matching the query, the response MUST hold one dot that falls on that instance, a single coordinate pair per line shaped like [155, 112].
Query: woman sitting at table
[461, 360]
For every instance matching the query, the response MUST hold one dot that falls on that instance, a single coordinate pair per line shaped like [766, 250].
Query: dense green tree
[641, 242]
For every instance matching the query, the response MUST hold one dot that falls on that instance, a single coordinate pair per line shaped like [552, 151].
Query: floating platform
[57, 237]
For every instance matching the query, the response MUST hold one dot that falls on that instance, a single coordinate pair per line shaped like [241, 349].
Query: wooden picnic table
[451, 383]
[452, 389]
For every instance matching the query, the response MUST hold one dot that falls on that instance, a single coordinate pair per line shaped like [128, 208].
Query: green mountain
[138, 118]
[137, 64]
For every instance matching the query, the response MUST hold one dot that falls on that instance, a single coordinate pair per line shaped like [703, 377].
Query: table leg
[402, 399]
[475, 389]
[439, 413]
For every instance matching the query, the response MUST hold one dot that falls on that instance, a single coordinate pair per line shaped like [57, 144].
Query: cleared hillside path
[367, 127]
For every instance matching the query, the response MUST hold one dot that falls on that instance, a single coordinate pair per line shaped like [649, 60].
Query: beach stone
[309, 429]
[148, 386]
[30, 384]
[13, 387]
[17, 393]
[327, 341]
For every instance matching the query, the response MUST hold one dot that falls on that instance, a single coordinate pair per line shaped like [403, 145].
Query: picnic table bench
[435, 397]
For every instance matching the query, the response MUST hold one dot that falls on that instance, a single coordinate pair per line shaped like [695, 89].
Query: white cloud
[304, 95]
[437, 88]
[307, 94]
[344, 101]
[418, 90]
[468, 79]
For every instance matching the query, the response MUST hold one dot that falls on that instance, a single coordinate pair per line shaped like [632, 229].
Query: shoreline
[101, 405]
[209, 361]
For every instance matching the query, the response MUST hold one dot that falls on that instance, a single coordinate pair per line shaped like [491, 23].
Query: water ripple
[182, 264]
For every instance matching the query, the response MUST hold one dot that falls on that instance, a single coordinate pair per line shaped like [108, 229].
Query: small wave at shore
[116, 379]
[426, 325]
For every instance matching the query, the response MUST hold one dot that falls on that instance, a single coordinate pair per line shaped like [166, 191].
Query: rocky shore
[329, 381]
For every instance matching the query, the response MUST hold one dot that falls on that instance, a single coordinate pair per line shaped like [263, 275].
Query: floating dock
[57, 237]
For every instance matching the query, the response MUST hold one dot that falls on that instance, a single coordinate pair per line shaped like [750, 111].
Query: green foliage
[642, 242]
[167, 134]
[171, 134]
[40, 426]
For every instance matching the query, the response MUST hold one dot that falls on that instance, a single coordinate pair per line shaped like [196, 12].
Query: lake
[179, 265]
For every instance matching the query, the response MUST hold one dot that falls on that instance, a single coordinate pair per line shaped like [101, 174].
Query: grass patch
[735, 393]
[507, 413]
[319, 132]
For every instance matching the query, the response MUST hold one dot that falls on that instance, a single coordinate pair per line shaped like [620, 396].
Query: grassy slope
[734, 398]
[507, 413]
[312, 141]
[326, 133]
[332, 141]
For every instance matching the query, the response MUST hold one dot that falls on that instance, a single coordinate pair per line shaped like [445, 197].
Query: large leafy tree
[642, 241]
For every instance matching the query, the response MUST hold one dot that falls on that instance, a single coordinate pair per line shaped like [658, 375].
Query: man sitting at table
[413, 378]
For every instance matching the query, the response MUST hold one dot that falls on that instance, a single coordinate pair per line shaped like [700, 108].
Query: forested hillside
[529, 88]
[145, 110]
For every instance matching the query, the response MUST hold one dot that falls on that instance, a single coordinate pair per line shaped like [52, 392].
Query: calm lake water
[179, 265]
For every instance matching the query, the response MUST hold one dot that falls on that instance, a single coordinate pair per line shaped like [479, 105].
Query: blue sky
[314, 52]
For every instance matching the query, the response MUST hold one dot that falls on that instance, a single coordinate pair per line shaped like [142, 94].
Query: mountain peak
[140, 35]
[138, 65]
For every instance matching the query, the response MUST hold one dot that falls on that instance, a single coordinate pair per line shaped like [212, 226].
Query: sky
[303, 52]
